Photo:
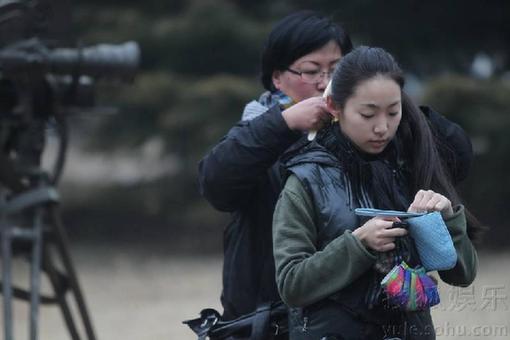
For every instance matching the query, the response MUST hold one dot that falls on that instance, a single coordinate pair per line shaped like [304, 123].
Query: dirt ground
[134, 295]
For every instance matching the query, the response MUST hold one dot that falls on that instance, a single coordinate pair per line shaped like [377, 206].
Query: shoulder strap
[255, 325]
[260, 324]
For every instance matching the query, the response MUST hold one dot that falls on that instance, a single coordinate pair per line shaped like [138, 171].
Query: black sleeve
[231, 169]
[454, 144]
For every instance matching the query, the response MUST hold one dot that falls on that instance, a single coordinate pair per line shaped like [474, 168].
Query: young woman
[381, 153]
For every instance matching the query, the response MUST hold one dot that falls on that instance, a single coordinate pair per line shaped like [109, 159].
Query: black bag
[268, 321]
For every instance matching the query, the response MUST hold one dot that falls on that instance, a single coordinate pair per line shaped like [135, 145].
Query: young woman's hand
[378, 233]
[428, 200]
[308, 114]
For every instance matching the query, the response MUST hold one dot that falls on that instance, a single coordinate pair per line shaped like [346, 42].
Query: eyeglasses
[311, 77]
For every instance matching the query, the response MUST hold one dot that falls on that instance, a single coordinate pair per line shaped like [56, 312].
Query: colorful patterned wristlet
[410, 289]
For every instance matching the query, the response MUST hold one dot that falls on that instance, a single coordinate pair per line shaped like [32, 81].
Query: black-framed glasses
[311, 77]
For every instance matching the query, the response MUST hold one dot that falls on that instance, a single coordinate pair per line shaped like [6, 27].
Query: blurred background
[148, 248]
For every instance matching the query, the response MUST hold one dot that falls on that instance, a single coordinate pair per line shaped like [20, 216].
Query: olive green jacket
[306, 275]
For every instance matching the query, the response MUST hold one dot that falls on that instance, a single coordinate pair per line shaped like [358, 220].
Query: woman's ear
[276, 79]
[332, 107]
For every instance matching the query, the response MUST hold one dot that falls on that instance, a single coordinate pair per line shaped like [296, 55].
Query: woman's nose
[323, 83]
[381, 127]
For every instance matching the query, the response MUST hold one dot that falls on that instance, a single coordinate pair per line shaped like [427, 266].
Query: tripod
[30, 223]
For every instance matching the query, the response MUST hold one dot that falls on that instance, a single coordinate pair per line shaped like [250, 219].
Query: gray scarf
[267, 100]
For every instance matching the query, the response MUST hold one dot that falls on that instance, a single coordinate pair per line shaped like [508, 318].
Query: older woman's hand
[308, 114]
[428, 200]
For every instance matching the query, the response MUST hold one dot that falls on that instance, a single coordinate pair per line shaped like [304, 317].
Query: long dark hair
[414, 136]
[296, 35]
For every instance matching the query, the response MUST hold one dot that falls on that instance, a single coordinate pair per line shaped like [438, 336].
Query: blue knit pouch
[430, 234]
[433, 241]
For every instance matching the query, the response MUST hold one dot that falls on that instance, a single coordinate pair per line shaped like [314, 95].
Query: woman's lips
[378, 143]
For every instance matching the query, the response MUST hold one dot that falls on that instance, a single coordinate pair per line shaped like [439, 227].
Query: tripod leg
[35, 273]
[6, 276]
[60, 292]
[62, 242]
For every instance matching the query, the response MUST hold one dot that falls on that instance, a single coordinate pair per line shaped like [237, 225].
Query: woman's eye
[311, 72]
[366, 115]
[394, 113]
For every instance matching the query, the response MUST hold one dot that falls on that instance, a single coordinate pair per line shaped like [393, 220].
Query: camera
[38, 83]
